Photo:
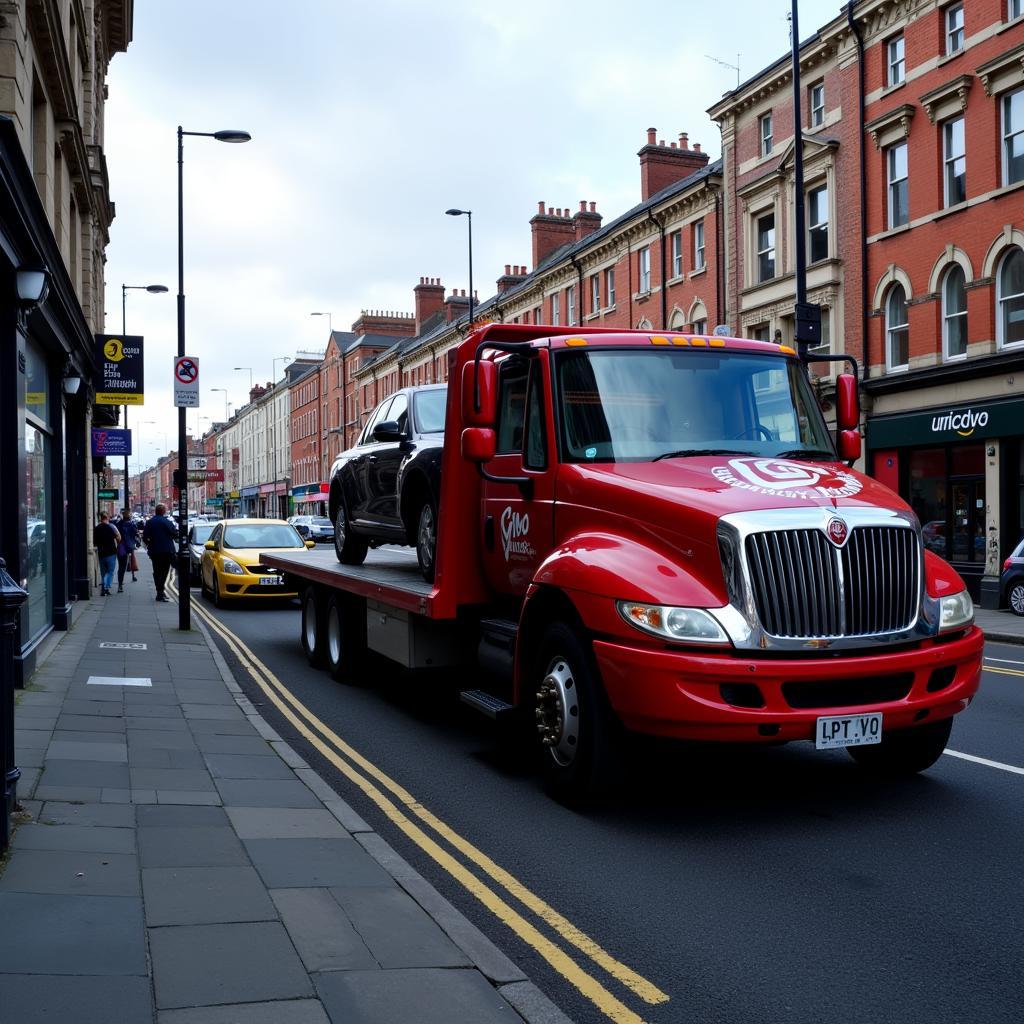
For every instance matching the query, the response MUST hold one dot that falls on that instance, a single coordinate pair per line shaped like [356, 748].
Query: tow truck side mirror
[847, 402]
[479, 394]
[210, 546]
[849, 445]
[478, 444]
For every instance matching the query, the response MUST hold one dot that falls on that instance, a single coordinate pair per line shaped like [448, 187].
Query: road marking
[559, 960]
[986, 761]
[1008, 661]
[1002, 671]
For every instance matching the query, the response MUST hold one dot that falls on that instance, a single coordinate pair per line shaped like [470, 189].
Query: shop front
[961, 469]
[249, 502]
[311, 499]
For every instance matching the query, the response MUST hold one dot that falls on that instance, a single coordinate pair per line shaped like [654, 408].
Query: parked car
[1011, 583]
[231, 567]
[385, 489]
[197, 537]
[318, 528]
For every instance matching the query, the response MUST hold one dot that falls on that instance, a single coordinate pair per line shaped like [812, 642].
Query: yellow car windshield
[262, 535]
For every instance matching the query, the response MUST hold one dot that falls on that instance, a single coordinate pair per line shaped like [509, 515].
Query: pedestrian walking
[105, 538]
[160, 537]
[126, 549]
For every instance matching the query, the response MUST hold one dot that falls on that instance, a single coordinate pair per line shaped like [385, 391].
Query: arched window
[1010, 299]
[954, 313]
[677, 321]
[897, 332]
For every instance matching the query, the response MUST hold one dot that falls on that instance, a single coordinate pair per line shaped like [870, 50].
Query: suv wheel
[1015, 597]
[426, 540]
[348, 546]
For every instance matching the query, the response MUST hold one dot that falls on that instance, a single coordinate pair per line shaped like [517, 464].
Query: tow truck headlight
[689, 625]
[230, 566]
[955, 611]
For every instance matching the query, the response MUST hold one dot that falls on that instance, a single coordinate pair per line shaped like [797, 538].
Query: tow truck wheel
[344, 636]
[348, 546]
[426, 540]
[906, 751]
[575, 726]
[312, 628]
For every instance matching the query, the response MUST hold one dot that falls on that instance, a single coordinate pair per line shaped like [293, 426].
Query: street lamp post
[469, 218]
[330, 326]
[153, 289]
[249, 368]
[225, 390]
[184, 594]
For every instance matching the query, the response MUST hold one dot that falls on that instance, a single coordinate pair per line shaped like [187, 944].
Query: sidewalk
[1002, 626]
[176, 862]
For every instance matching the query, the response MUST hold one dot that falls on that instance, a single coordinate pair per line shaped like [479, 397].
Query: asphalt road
[751, 885]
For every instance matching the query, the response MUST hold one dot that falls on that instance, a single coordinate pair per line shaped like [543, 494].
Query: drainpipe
[660, 221]
[865, 369]
[719, 259]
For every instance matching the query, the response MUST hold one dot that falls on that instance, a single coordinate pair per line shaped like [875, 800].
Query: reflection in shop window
[35, 613]
[928, 496]
[1011, 298]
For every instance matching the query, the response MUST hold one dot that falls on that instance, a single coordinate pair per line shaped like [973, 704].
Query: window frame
[947, 316]
[510, 372]
[891, 329]
[1001, 343]
[766, 138]
[556, 310]
[895, 65]
[609, 287]
[949, 160]
[570, 306]
[891, 183]
[817, 111]
[677, 253]
[949, 34]
[1011, 14]
[595, 293]
[761, 253]
[643, 270]
[699, 254]
[1004, 107]
[820, 226]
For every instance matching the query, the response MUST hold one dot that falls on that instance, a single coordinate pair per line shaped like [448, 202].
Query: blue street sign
[111, 442]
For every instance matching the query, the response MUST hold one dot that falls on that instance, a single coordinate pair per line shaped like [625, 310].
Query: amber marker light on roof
[680, 341]
[716, 342]
[574, 342]
[699, 341]
[789, 351]
[657, 339]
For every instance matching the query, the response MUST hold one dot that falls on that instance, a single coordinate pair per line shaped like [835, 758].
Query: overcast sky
[368, 121]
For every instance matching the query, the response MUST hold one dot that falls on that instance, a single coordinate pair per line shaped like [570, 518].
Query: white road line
[1006, 661]
[985, 761]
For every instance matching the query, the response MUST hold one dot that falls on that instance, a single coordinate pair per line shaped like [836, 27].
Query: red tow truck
[658, 533]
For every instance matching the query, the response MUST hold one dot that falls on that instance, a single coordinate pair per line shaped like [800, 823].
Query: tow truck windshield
[629, 405]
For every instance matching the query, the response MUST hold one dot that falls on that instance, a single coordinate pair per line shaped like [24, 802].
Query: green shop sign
[108, 494]
[944, 424]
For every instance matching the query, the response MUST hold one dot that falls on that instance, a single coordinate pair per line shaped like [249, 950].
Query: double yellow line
[405, 807]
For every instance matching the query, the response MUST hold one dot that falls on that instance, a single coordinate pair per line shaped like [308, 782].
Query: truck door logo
[514, 530]
[787, 479]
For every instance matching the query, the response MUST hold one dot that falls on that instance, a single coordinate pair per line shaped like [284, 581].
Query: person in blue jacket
[160, 536]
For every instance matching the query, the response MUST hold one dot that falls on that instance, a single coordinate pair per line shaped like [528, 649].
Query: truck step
[487, 704]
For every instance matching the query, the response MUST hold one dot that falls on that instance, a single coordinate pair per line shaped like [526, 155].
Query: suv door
[358, 493]
[384, 464]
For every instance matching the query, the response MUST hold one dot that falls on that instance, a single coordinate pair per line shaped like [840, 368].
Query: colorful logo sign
[837, 531]
[111, 442]
[964, 423]
[120, 380]
[787, 479]
[515, 529]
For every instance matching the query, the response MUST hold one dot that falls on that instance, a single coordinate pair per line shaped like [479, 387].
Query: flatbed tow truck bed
[389, 575]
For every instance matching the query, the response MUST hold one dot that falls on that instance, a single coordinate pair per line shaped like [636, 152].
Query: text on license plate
[271, 581]
[848, 731]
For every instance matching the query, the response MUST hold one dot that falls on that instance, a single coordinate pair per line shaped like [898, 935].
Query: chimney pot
[583, 206]
[593, 207]
[652, 135]
[672, 145]
[540, 206]
[508, 269]
[661, 142]
[551, 211]
[684, 140]
[696, 147]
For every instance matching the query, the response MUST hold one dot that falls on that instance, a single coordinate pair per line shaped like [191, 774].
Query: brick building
[304, 401]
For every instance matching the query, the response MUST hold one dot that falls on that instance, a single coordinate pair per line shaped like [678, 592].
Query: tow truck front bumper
[720, 696]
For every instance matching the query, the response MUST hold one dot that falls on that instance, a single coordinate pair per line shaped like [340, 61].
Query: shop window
[927, 485]
[954, 156]
[954, 314]
[1013, 137]
[37, 611]
[1010, 299]
[817, 223]
[897, 332]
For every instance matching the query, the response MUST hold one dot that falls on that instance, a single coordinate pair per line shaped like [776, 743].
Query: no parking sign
[186, 382]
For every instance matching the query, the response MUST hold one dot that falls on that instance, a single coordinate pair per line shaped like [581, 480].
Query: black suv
[386, 488]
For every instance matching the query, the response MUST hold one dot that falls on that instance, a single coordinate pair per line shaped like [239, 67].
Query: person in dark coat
[125, 550]
[105, 538]
[160, 536]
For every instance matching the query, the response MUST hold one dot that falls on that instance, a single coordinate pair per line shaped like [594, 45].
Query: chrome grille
[804, 586]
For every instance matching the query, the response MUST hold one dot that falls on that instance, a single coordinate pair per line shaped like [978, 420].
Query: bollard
[11, 599]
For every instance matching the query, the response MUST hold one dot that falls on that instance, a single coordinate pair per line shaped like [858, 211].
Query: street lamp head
[228, 135]
[457, 213]
[156, 289]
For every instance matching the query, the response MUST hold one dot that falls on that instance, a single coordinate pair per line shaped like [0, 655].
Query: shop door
[967, 550]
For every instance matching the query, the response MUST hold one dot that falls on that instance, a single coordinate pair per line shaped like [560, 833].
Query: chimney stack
[512, 276]
[429, 300]
[586, 222]
[661, 165]
[456, 305]
[387, 322]
[550, 231]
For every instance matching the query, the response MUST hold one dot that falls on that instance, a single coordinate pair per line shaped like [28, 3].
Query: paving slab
[284, 823]
[206, 965]
[254, 746]
[322, 933]
[167, 739]
[311, 863]
[55, 812]
[179, 796]
[85, 773]
[82, 838]
[216, 712]
[200, 846]
[71, 871]
[29, 757]
[248, 766]
[186, 896]
[396, 929]
[195, 780]
[295, 1011]
[265, 793]
[98, 935]
[222, 727]
[102, 708]
[181, 817]
[89, 723]
[73, 750]
[162, 757]
[156, 723]
[69, 794]
[426, 996]
[28, 998]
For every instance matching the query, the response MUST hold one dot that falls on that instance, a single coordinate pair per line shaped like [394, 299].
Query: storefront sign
[111, 442]
[201, 476]
[108, 494]
[214, 502]
[120, 379]
[973, 422]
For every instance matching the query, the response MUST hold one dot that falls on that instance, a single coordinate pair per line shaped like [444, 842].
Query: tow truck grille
[804, 586]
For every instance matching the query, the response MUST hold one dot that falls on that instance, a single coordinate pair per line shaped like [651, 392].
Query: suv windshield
[430, 410]
[629, 405]
[262, 535]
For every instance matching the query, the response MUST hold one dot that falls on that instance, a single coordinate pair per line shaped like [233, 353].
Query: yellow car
[231, 559]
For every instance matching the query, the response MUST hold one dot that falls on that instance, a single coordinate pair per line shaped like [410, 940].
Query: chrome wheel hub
[309, 623]
[426, 533]
[558, 713]
[1017, 599]
[333, 636]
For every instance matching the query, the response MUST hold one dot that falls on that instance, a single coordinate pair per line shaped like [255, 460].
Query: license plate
[271, 581]
[848, 731]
